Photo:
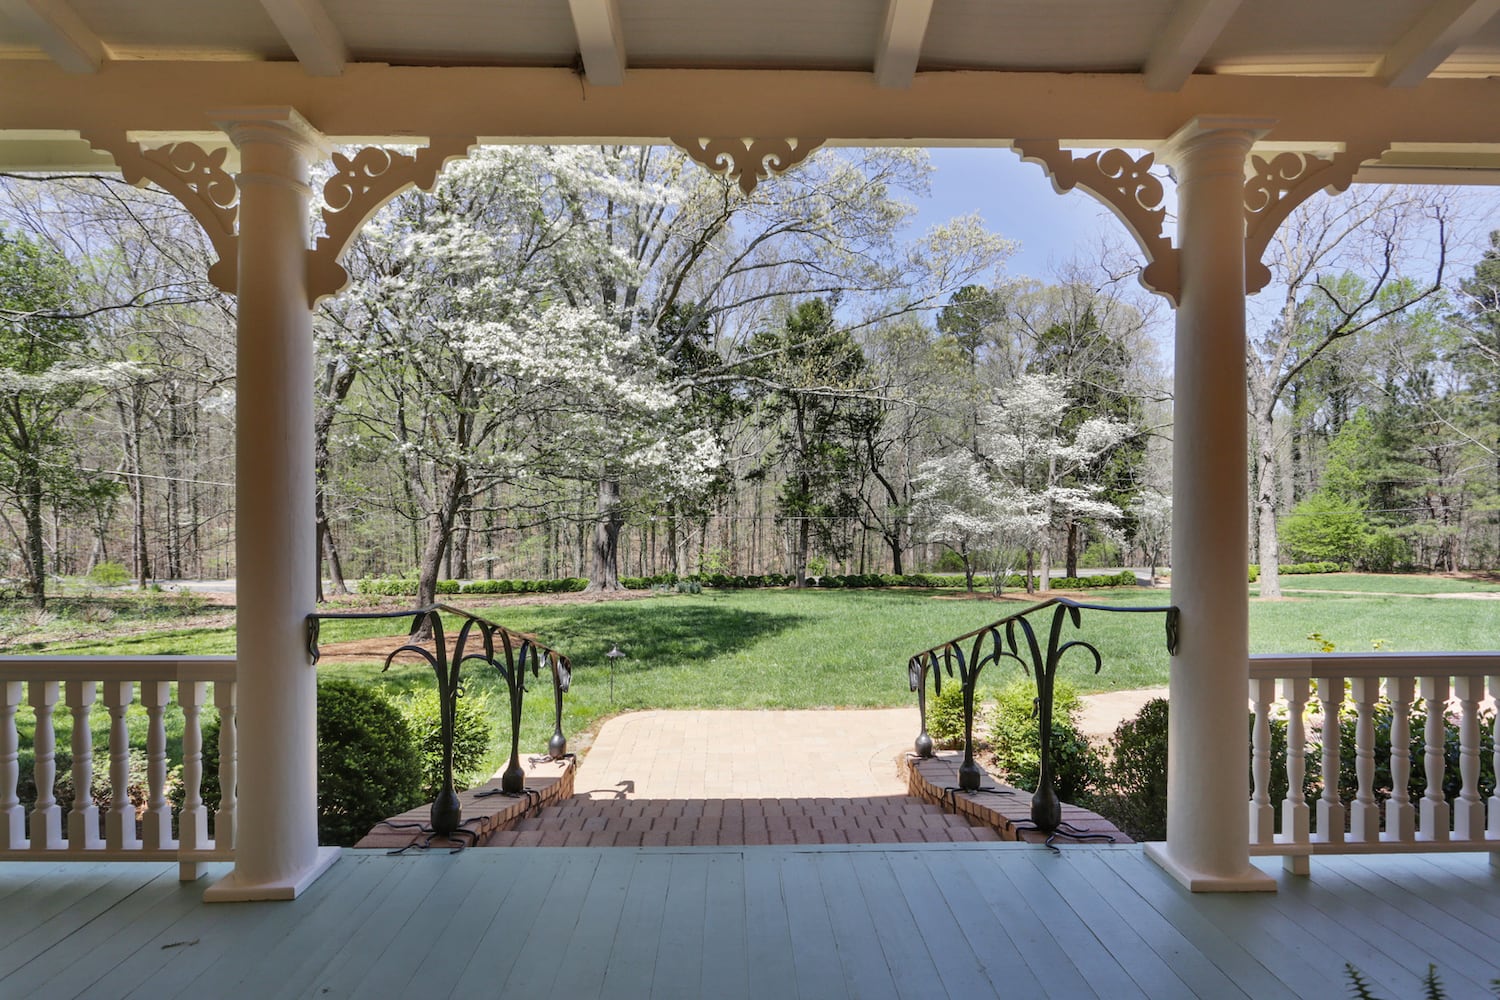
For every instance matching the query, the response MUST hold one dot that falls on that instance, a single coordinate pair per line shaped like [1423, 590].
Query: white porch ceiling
[885, 70]
[1324, 37]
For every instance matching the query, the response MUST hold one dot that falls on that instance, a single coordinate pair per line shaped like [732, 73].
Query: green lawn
[1388, 583]
[814, 649]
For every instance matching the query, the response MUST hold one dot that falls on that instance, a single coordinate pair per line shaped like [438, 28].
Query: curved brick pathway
[739, 777]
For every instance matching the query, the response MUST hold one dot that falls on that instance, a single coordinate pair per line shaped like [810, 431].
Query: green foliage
[108, 574]
[1326, 527]
[1015, 739]
[1101, 554]
[369, 768]
[422, 711]
[1432, 986]
[1134, 792]
[945, 716]
[1452, 780]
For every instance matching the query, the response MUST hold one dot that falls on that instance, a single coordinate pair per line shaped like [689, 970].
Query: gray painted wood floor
[963, 921]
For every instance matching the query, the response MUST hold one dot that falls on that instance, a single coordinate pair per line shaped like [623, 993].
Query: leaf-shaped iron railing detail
[516, 652]
[1014, 638]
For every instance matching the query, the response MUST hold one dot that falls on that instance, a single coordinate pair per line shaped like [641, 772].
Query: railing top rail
[1067, 602]
[69, 667]
[1268, 666]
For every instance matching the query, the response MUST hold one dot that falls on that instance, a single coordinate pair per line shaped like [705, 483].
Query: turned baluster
[119, 822]
[1400, 814]
[157, 825]
[1330, 806]
[1468, 811]
[46, 818]
[12, 816]
[1434, 821]
[1262, 813]
[83, 818]
[1364, 817]
[224, 700]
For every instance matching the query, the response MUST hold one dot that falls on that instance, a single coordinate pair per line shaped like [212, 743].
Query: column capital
[1202, 131]
[282, 125]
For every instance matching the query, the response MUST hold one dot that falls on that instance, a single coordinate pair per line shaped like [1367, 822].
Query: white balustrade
[123, 832]
[1472, 823]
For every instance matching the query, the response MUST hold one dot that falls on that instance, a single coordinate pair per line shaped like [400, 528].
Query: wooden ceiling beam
[58, 31]
[901, 42]
[1439, 32]
[601, 43]
[1189, 33]
[314, 39]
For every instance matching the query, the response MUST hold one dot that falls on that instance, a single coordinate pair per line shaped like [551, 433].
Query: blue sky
[1017, 201]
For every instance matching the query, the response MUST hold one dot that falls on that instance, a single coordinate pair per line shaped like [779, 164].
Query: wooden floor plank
[1351, 893]
[679, 950]
[207, 937]
[545, 937]
[338, 962]
[80, 955]
[584, 958]
[1239, 933]
[505, 922]
[855, 928]
[726, 969]
[961, 972]
[35, 928]
[814, 949]
[751, 922]
[1346, 893]
[1048, 913]
[426, 925]
[768, 935]
[906, 956]
[1010, 945]
[1137, 937]
[631, 967]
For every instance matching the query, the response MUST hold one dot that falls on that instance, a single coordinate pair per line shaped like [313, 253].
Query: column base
[1251, 879]
[230, 889]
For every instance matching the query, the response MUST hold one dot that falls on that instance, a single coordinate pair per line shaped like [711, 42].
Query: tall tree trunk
[1072, 556]
[1265, 504]
[604, 573]
[30, 490]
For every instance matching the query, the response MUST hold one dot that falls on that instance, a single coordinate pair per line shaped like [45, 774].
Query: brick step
[581, 821]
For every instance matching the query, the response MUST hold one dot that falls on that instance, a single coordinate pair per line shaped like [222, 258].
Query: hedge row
[408, 587]
[1299, 569]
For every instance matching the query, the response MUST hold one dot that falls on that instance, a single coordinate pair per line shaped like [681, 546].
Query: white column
[1209, 757]
[276, 842]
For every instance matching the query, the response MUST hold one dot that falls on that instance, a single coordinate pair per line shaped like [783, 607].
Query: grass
[1388, 583]
[848, 648]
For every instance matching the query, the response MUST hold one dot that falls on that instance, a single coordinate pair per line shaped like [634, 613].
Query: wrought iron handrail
[518, 651]
[1002, 640]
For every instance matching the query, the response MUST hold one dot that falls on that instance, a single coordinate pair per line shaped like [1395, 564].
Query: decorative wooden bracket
[748, 161]
[1279, 184]
[195, 177]
[1127, 188]
[361, 184]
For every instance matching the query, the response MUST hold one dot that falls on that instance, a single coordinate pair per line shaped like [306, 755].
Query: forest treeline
[592, 362]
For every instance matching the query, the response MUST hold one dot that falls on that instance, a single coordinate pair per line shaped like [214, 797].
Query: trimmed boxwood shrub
[369, 767]
[1015, 739]
[945, 716]
[471, 738]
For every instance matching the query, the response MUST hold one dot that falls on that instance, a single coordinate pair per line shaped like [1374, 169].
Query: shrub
[945, 716]
[108, 574]
[1015, 738]
[369, 768]
[1135, 786]
[471, 738]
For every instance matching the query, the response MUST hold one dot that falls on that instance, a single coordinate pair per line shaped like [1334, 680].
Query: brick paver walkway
[723, 778]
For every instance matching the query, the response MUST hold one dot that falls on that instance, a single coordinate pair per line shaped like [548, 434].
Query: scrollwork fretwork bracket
[1280, 183]
[748, 161]
[360, 185]
[1127, 188]
[195, 177]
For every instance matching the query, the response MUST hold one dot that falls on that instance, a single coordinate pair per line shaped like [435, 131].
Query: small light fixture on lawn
[614, 654]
